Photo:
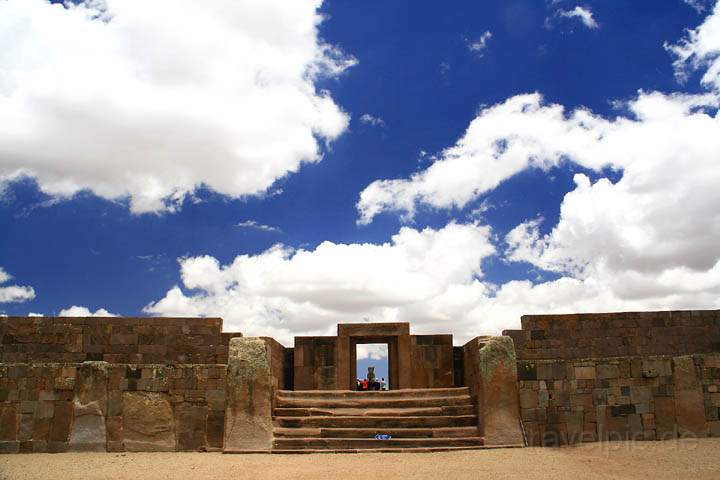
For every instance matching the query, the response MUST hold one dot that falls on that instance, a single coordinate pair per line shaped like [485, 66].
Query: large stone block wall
[315, 360]
[617, 334]
[97, 406]
[431, 360]
[113, 340]
[638, 398]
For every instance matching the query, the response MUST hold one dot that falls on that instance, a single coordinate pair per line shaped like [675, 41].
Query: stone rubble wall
[97, 406]
[113, 340]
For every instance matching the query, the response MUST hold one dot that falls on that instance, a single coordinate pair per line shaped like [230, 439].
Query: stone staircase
[418, 420]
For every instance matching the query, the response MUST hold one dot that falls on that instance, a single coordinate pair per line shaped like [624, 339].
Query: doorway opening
[372, 366]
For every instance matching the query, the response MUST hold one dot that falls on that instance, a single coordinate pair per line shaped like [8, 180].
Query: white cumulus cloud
[149, 100]
[700, 49]
[79, 311]
[13, 293]
[283, 293]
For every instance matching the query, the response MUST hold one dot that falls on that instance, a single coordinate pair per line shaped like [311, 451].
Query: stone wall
[97, 406]
[113, 340]
[552, 337]
[431, 360]
[640, 398]
[633, 375]
[315, 360]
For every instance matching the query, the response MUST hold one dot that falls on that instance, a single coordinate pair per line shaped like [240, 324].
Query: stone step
[372, 402]
[405, 393]
[367, 450]
[442, 432]
[371, 443]
[452, 410]
[374, 422]
[374, 450]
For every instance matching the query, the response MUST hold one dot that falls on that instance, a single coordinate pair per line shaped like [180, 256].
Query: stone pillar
[491, 374]
[248, 414]
[90, 408]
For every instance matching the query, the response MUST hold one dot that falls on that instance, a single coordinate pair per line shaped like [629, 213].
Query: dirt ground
[647, 460]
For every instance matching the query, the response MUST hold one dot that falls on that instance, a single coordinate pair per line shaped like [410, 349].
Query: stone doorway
[377, 357]
[395, 335]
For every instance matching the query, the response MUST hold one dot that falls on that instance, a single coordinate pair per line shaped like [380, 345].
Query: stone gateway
[181, 384]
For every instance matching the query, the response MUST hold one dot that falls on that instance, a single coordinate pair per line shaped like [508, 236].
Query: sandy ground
[647, 460]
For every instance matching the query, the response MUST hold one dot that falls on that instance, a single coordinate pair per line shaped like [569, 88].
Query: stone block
[551, 371]
[90, 408]
[575, 427]
[248, 414]
[27, 406]
[690, 413]
[114, 427]
[61, 422]
[543, 398]
[25, 432]
[9, 447]
[215, 399]
[528, 398]
[496, 384]
[46, 395]
[714, 428]
[584, 373]
[148, 424]
[44, 409]
[584, 400]
[689, 398]
[665, 421]
[190, 427]
[215, 429]
[114, 403]
[607, 371]
[527, 371]
[656, 368]
[8, 423]
[640, 394]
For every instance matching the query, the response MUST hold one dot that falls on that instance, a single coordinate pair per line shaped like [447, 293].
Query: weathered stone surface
[148, 424]
[492, 377]
[114, 429]
[248, 415]
[665, 418]
[61, 422]
[190, 426]
[8, 423]
[90, 408]
[585, 373]
[607, 371]
[25, 431]
[689, 401]
[215, 429]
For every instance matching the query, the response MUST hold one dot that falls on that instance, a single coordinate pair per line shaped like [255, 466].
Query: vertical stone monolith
[491, 374]
[90, 408]
[248, 415]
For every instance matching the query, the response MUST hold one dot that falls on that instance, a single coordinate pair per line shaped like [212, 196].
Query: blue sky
[156, 159]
